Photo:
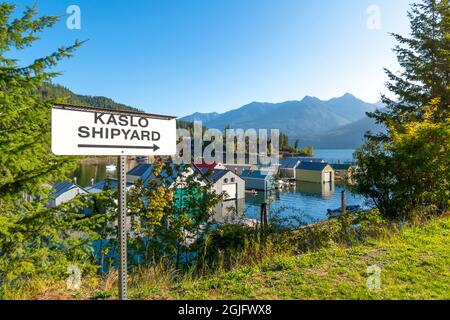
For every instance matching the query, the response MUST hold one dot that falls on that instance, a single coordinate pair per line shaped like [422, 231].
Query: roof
[62, 187]
[239, 165]
[254, 174]
[341, 166]
[238, 168]
[140, 170]
[213, 175]
[309, 159]
[315, 166]
[289, 163]
[206, 165]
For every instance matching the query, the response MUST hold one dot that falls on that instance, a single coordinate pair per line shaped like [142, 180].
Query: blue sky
[179, 57]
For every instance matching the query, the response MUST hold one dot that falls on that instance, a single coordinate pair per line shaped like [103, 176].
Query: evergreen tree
[26, 161]
[405, 170]
[34, 240]
[425, 62]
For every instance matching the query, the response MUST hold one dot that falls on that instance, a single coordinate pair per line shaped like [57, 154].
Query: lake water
[335, 155]
[93, 171]
[308, 201]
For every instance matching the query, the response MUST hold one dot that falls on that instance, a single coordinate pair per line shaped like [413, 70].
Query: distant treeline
[286, 147]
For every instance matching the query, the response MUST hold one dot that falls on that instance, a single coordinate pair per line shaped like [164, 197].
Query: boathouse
[288, 167]
[140, 172]
[316, 172]
[63, 192]
[258, 180]
[225, 181]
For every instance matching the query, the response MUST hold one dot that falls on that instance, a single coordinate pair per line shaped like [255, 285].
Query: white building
[63, 192]
[226, 181]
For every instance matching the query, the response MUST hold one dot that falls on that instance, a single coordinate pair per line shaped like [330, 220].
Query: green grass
[414, 262]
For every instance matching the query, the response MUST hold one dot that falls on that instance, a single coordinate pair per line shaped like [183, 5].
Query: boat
[111, 167]
[280, 184]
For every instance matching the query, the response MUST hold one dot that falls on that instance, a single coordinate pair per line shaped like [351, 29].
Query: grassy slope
[415, 264]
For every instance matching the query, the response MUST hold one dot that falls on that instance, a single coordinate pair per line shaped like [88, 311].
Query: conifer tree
[425, 61]
[26, 160]
[34, 239]
[404, 170]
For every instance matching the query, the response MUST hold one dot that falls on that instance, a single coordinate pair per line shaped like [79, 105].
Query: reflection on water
[229, 211]
[324, 191]
[94, 170]
[308, 201]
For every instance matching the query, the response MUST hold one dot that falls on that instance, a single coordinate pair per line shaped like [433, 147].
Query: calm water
[308, 201]
[93, 171]
[335, 155]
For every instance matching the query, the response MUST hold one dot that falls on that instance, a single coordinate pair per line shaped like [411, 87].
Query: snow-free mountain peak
[307, 116]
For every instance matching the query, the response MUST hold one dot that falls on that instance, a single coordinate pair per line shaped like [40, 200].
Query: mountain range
[338, 123]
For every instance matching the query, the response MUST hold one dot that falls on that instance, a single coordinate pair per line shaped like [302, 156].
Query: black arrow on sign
[154, 147]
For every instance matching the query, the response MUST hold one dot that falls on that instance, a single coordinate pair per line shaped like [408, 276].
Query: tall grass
[229, 247]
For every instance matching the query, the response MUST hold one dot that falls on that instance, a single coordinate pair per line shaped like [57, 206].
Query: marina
[297, 201]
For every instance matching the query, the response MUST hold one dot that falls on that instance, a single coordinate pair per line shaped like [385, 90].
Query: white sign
[89, 131]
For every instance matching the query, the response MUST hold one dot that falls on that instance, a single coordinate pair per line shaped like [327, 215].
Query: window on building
[225, 180]
[232, 179]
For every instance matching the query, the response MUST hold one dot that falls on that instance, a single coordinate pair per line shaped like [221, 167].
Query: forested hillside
[60, 92]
